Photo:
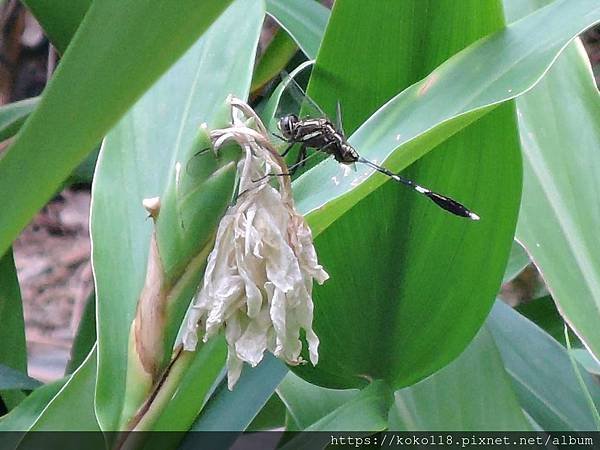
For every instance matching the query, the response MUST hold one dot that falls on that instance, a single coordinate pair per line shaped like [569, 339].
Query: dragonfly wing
[294, 100]
[338, 119]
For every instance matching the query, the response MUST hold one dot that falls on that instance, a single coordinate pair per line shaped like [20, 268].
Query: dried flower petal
[259, 277]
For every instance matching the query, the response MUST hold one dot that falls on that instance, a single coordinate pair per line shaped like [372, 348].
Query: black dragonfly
[319, 133]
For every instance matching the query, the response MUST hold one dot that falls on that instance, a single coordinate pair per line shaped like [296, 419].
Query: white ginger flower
[259, 276]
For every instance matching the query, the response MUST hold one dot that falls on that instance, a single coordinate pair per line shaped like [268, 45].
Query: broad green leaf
[270, 109]
[578, 370]
[305, 21]
[307, 403]
[383, 313]
[67, 405]
[190, 394]
[542, 311]
[247, 398]
[542, 374]
[517, 261]
[135, 163]
[14, 379]
[72, 408]
[60, 20]
[472, 393]
[560, 215]
[86, 335]
[234, 410]
[98, 79]
[273, 60]
[195, 388]
[29, 410]
[13, 115]
[13, 352]
[366, 412]
[272, 416]
[492, 70]
[587, 361]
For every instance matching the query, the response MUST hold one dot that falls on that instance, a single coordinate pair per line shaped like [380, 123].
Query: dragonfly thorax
[319, 134]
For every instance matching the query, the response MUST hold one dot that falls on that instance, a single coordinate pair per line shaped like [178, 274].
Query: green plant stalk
[196, 387]
[147, 338]
[156, 402]
[185, 222]
[170, 384]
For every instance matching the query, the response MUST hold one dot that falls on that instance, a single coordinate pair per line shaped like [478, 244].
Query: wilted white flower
[259, 276]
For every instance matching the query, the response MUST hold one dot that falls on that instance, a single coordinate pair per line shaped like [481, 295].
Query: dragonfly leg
[339, 123]
[302, 158]
[299, 162]
[291, 169]
[279, 137]
[287, 150]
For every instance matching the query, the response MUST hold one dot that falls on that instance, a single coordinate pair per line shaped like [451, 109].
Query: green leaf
[250, 394]
[542, 373]
[277, 55]
[14, 379]
[272, 416]
[307, 403]
[86, 335]
[305, 21]
[195, 388]
[366, 412]
[67, 405]
[234, 410]
[252, 391]
[389, 254]
[461, 90]
[586, 359]
[560, 215]
[13, 115]
[517, 261]
[136, 162]
[542, 311]
[77, 109]
[13, 351]
[29, 410]
[60, 20]
[472, 393]
[72, 408]
[577, 369]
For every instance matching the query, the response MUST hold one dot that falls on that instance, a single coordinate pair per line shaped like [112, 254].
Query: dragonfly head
[287, 125]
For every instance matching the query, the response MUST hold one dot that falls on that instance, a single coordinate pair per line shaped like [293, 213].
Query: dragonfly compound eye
[287, 124]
